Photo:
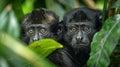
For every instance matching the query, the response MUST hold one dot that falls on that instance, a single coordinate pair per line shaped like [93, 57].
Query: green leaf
[116, 4]
[3, 4]
[3, 23]
[104, 43]
[15, 54]
[13, 27]
[10, 23]
[3, 62]
[115, 56]
[57, 8]
[16, 5]
[69, 4]
[45, 47]
[28, 6]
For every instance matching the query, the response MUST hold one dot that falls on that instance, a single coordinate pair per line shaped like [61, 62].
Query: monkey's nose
[79, 38]
[36, 38]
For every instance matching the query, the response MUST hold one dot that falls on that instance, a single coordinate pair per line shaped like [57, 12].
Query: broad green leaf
[45, 47]
[15, 54]
[3, 62]
[9, 23]
[115, 56]
[99, 4]
[3, 4]
[16, 7]
[3, 23]
[57, 8]
[28, 6]
[13, 27]
[69, 4]
[104, 42]
[116, 4]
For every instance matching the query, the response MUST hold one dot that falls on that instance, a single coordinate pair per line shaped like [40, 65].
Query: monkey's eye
[86, 29]
[30, 31]
[73, 29]
[43, 31]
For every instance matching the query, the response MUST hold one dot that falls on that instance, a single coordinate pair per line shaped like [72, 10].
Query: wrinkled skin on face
[80, 26]
[75, 32]
[79, 34]
[38, 31]
[39, 24]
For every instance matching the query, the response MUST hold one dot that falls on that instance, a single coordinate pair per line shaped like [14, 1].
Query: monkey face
[39, 24]
[79, 34]
[38, 31]
[81, 25]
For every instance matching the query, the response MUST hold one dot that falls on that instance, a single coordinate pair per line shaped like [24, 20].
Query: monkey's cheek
[30, 41]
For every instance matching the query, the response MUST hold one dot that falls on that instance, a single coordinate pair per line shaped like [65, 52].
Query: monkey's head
[80, 26]
[39, 24]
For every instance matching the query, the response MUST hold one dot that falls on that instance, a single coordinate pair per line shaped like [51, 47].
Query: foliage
[9, 24]
[105, 45]
[14, 54]
[116, 4]
[105, 42]
[45, 47]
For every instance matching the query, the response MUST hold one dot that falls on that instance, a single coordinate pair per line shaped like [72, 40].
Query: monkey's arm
[62, 58]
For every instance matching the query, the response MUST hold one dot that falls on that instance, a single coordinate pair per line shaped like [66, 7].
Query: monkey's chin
[79, 45]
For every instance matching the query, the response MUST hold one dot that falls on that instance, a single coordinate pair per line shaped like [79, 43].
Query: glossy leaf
[9, 23]
[45, 47]
[13, 27]
[104, 43]
[14, 54]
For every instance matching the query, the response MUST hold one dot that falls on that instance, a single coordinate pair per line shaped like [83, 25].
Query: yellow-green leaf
[45, 47]
[15, 54]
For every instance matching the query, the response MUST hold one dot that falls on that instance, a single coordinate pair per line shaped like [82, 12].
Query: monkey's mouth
[81, 43]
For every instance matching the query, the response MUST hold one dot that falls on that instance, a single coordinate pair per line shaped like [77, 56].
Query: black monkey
[79, 27]
[40, 23]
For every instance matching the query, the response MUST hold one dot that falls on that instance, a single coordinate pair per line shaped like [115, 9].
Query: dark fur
[36, 17]
[73, 54]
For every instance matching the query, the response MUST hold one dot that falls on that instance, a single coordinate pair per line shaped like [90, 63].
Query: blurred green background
[60, 7]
